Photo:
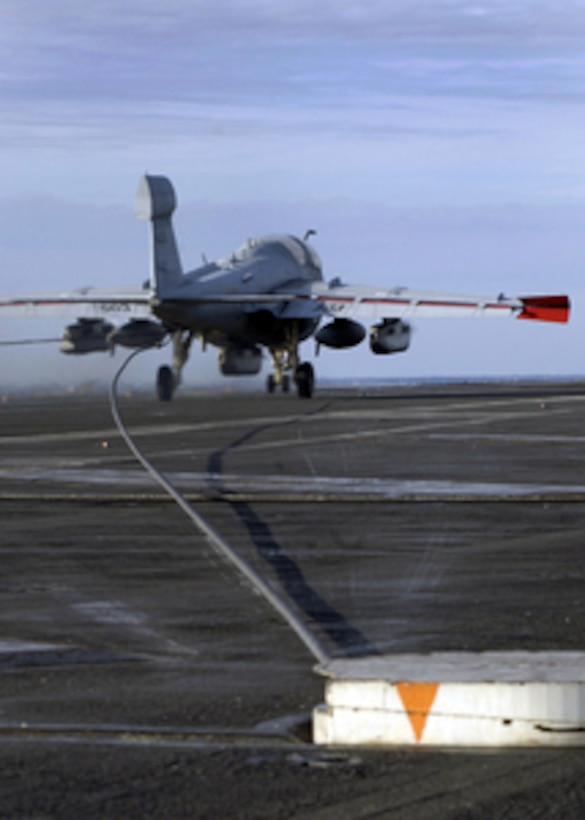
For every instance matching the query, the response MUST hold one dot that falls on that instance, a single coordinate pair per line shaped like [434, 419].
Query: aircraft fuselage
[279, 264]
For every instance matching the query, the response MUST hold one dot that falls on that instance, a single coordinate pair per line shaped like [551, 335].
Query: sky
[430, 143]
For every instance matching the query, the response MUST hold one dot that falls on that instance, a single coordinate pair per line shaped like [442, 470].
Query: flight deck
[396, 520]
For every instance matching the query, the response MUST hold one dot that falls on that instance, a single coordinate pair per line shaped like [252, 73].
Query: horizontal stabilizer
[545, 308]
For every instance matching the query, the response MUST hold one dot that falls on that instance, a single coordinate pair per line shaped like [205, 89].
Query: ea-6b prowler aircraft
[269, 293]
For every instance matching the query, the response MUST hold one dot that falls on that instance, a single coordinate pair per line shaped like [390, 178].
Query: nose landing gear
[272, 382]
[287, 368]
[303, 374]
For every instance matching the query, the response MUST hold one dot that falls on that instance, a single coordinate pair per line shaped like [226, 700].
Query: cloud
[438, 20]
[291, 55]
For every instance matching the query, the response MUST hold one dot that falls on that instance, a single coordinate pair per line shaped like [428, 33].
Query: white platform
[454, 699]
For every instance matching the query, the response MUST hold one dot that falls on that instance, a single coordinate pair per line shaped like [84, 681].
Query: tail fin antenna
[156, 201]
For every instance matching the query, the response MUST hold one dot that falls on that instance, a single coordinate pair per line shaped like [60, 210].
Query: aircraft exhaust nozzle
[155, 198]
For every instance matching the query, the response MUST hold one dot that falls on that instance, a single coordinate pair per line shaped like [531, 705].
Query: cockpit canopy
[280, 244]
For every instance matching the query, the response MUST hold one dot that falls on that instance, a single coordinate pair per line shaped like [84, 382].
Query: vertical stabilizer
[156, 201]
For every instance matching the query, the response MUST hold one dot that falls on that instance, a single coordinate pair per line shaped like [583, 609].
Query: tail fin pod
[156, 201]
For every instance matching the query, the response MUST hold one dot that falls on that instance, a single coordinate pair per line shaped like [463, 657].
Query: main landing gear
[305, 380]
[169, 378]
[165, 383]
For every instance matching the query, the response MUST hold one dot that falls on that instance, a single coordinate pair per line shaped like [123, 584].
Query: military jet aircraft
[269, 294]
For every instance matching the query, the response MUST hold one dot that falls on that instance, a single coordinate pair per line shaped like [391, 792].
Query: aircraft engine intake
[86, 336]
[240, 361]
[340, 333]
[138, 333]
[390, 336]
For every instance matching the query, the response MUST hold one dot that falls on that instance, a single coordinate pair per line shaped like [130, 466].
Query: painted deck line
[268, 485]
[10, 646]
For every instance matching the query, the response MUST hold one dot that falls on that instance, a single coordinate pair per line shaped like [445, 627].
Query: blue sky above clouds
[435, 143]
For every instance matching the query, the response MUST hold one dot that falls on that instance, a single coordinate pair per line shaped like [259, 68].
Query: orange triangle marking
[417, 699]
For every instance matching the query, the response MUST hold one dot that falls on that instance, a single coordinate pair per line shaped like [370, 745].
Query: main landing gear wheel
[305, 379]
[165, 383]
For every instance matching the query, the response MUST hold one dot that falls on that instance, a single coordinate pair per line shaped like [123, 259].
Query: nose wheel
[272, 383]
[285, 363]
[287, 369]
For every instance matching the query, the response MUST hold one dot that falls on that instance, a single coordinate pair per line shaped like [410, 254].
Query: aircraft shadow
[344, 635]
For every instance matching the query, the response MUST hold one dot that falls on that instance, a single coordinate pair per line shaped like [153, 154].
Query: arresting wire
[217, 543]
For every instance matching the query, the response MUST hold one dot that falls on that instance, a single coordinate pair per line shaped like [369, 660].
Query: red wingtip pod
[545, 308]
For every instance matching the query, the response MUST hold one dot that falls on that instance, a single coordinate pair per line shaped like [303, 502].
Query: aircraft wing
[86, 302]
[347, 301]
